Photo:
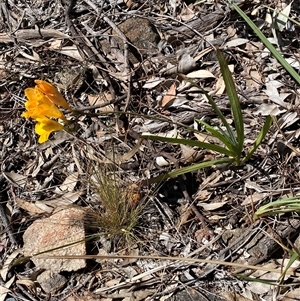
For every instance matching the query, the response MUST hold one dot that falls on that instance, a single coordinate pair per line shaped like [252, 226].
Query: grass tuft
[117, 208]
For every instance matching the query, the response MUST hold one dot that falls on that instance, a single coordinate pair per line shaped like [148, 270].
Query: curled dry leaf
[212, 206]
[220, 86]
[200, 74]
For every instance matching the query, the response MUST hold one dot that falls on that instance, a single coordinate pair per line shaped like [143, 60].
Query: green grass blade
[272, 49]
[191, 168]
[294, 257]
[234, 101]
[200, 144]
[291, 204]
[263, 132]
[217, 111]
[219, 135]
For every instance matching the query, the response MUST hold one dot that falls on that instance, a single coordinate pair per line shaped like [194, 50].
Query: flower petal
[39, 105]
[52, 93]
[45, 127]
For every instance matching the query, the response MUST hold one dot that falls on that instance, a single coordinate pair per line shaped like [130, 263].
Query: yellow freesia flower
[41, 106]
[38, 105]
[45, 127]
[52, 93]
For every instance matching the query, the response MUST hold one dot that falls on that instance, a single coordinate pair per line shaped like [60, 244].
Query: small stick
[127, 67]
[6, 225]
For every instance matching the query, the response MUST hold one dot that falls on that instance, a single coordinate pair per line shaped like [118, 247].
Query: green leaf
[217, 111]
[293, 258]
[219, 135]
[263, 38]
[213, 147]
[192, 168]
[234, 101]
[262, 134]
[291, 204]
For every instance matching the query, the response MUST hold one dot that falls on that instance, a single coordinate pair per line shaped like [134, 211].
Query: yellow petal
[33, 95]
[39, 105]
[52, 93]
[45, 127]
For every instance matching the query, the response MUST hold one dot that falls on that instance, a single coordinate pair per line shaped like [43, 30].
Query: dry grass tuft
[117, 208]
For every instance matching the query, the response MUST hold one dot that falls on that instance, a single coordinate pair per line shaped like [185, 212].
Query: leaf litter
[184, 215]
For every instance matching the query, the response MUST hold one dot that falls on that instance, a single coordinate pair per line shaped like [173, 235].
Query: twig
[80, 41]
[6, 224]
[127, 66]
[26, 293]
[113, 101]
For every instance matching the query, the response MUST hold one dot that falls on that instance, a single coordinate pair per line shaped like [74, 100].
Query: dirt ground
[83, 217]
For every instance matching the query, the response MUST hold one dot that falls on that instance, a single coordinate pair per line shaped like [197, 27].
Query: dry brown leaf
[211, 206]
[200, 74]
[236, 42]
[220, 86]
[152, 83]
[262, 288]
[34, 57]
[6, 265]
[187, 13]
[170, 95]
[232, 296]
[141, 295]
[203, 195]
[253, 78]
[185, 212]
[27, 282]
[15, 179]
[202, 53]
[189, 154]
[4, 288]
[267, 109]
[32, 34]
[69, 184]
[254, 198]
[207, 138]
[70, 51]
[29, 207]
[100, 99]
[292, 295]
[64, 200]
[129, 3]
